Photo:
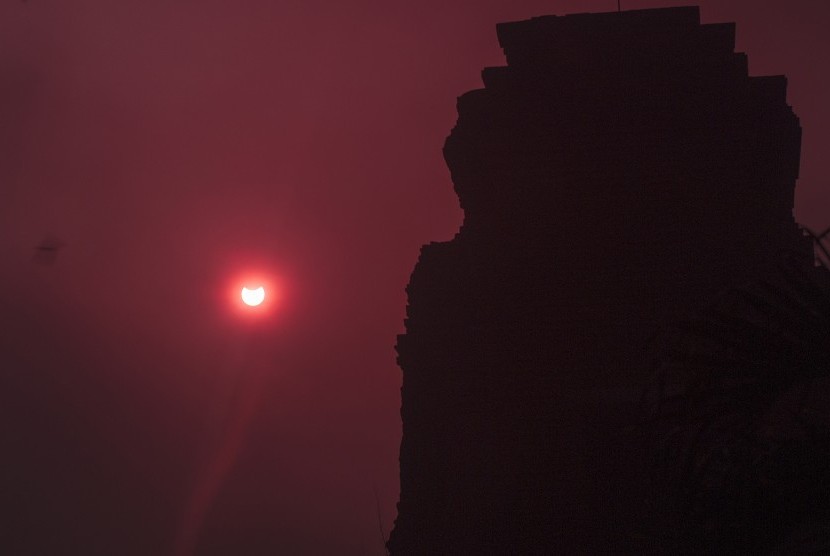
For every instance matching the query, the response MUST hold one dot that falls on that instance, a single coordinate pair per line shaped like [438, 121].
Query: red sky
[176, 145]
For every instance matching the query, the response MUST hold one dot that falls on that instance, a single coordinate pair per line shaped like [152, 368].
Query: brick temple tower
[619, 171]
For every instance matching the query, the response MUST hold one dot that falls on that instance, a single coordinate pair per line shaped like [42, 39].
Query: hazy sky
[174, 146]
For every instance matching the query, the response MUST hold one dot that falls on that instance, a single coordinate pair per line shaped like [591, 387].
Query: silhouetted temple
[621, 170]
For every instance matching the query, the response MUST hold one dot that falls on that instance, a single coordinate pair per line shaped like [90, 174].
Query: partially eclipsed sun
[253, 297]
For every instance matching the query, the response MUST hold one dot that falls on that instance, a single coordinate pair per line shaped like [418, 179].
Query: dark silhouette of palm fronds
[819, 242]
[383, 538]
[738, 416]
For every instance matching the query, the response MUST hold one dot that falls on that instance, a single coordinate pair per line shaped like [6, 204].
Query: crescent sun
[253, 297]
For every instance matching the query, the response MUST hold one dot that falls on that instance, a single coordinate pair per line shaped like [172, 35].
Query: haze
[173, 146]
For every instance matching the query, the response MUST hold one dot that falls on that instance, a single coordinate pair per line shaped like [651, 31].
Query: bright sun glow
[253, 297]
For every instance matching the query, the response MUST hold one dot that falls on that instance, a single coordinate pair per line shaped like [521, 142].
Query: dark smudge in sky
[171, 145]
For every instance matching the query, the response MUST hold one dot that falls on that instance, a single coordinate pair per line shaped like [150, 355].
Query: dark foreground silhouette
[618, 175]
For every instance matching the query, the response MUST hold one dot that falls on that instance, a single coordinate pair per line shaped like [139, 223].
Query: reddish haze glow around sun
[255, 293]
[254, 296]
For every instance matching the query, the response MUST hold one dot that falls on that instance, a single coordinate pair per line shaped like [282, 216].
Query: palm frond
[736, 411]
